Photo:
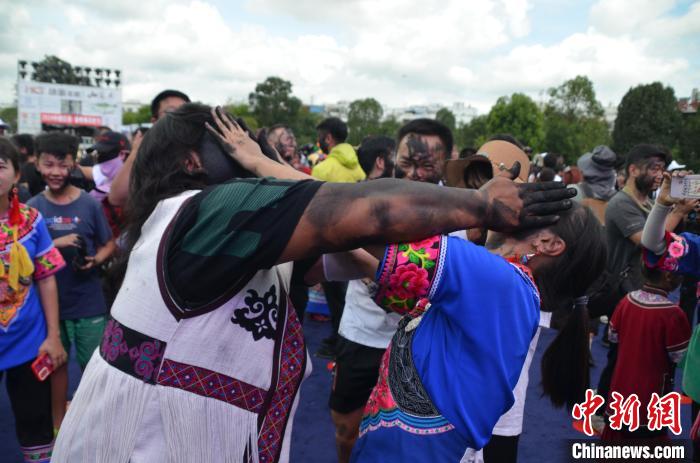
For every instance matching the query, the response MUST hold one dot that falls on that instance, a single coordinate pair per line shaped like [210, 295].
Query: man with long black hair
[217, 350]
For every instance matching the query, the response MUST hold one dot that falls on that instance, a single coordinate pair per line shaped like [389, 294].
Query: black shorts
[354, 376]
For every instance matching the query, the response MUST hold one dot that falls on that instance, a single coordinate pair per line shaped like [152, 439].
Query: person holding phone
[29, 327]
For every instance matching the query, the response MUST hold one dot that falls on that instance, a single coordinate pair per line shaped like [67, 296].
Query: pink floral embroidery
[408, 273]
[408, 281]
[676, 249]
[48, 264]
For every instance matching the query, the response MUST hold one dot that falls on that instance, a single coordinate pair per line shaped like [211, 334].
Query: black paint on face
[650, 176]
[420, 158]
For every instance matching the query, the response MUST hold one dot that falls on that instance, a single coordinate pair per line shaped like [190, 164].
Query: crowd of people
[176, 263]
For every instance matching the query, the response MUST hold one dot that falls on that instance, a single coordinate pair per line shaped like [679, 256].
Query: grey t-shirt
[623, 218]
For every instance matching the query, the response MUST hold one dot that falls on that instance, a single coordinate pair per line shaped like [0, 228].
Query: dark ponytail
[566, 362]
[565, 365]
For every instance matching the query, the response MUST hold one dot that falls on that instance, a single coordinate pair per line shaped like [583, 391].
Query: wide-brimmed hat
[499, 155]
[599, 160]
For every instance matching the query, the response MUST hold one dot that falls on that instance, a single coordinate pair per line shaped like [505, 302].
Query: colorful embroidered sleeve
[409, 274]
[682, 254]
[48, 259]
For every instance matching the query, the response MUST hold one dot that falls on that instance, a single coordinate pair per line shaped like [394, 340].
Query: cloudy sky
[401, 52]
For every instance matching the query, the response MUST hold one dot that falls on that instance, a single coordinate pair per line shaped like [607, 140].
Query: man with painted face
[423, 147]
[365, 328]
[81, 233]
[628, 209]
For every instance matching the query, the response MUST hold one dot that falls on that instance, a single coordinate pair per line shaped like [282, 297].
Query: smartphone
[686, 187]
[42, 367]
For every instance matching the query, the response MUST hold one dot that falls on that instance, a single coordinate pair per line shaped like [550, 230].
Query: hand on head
[234, 139]
[511, 206]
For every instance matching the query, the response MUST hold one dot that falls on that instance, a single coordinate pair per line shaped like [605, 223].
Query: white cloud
[400, 52]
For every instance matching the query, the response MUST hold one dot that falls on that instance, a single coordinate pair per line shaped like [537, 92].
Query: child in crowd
[80, 231]
[652, 335]
[28, 310]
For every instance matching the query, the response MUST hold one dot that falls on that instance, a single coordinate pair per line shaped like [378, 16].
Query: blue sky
[401, 52]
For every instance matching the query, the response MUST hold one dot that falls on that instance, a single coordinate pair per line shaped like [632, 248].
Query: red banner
[71, 119]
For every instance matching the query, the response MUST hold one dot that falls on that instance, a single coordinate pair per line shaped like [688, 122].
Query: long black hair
[160, 169]
[562, 284]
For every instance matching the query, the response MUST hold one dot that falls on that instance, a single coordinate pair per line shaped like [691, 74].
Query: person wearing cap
[675, 166]
[598, 185]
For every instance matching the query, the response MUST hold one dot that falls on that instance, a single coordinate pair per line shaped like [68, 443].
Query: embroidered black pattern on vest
[404, 382]
[260, 314]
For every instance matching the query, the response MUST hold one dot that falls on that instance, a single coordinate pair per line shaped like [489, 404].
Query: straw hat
[492, 158]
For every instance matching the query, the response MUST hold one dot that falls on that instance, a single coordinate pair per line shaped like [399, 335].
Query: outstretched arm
[341, 217]
[348, 216]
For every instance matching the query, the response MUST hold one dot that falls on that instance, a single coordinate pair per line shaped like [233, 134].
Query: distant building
[463, 112]
[131, 105]
[690, 105]
[339, 109]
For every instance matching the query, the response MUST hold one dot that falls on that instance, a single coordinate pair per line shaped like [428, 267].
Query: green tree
[574, 119]
[473, 134]
[305, 125]
[647, 114]
[390, 127]
[689, 142]
[55, 70]
[9, 115]
[519, 116]
[364, 118]
[272, 102]
[140, 116]
[446, 116]
[243, 111]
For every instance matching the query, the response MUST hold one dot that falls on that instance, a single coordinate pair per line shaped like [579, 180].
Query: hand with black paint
[511, 206]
